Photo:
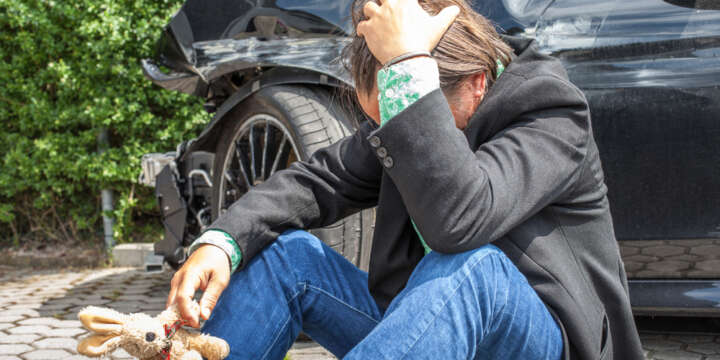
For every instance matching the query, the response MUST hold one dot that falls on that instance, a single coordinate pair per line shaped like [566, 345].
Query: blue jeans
[471, 305]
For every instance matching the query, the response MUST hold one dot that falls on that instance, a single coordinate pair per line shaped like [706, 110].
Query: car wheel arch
[271, 77]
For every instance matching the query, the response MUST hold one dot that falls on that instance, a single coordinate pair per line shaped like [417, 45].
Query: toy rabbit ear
[97, 344]
[102, 320]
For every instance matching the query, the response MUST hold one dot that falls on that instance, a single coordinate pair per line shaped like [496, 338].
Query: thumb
[444, 19]
[210, 297]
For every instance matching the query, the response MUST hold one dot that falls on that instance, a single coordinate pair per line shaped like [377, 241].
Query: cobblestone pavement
[38, 314]
[671, 259]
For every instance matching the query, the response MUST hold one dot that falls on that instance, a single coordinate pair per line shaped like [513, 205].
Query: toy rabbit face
[139, 334]
[148, 336]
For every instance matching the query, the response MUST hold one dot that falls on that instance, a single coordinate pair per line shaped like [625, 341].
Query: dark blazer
[524, 175]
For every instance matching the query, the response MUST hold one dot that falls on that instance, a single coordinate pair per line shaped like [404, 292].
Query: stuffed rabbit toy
[145, 337]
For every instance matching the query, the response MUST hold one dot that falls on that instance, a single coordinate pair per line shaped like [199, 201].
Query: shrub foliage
[69, 69]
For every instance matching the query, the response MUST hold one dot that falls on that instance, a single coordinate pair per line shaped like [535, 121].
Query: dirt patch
[44, 256]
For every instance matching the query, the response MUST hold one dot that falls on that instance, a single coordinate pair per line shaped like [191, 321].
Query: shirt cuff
[400, 85]
[222, 240]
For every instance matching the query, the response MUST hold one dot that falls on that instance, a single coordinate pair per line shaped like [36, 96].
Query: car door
[651, 72]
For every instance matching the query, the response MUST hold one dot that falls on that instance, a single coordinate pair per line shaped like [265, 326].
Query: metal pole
[107, 196]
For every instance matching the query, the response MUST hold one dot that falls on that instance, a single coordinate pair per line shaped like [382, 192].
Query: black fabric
[525, 175]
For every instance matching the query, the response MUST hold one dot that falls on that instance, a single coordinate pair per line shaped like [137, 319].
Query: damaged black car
[271, 74]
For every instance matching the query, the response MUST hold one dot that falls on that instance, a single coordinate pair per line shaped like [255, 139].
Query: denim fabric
[471, 305]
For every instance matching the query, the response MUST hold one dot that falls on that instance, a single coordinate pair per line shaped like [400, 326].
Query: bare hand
[208, 269]
[398, 27]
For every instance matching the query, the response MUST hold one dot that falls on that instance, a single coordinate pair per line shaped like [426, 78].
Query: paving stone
[19, 339]
[51, 294]
[692, 339]
[24, 305]
[2, 357]
[309, 351]
[685, 257]
[57, 343]
[633, 266]
[10, 318]
[124, 304]
[47, 307]
[26, 312]
[705, 348]
[4, 326]
[77, 308]
[14, 349]
[663, 250]
[80, 357]
[67, 324]
[706, 250]
[94, 301]
[660, 344]
[156, 308]
[641, 258]
[642, 243]
[676, 355]
[628, 250]
[710, 265]
[69, 332]
[46, 354]
[133, 298]
[38, 321]
[157, 299]
[696, 242]
[62, 301]
[669, 266]
[29, 329]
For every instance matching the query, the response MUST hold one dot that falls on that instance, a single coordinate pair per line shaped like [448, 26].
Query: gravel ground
[38, 314]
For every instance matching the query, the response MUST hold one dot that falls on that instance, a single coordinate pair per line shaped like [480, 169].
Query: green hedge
[68, 69]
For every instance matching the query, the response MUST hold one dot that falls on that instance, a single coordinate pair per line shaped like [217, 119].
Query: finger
[370, 9]
[445, 18]
[361, 28]
[173, 290]
[210, 297]
[184, 296]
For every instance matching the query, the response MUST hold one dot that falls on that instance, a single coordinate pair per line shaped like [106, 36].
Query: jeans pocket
[605, 339]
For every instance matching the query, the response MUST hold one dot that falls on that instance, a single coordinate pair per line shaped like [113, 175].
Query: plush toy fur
[144, 337]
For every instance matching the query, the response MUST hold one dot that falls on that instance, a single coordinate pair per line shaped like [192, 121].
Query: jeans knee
[487, 260]
[460, 259]
[298, 241]
[295, 249]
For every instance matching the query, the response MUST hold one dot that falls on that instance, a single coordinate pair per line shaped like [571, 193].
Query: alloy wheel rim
[261, 147]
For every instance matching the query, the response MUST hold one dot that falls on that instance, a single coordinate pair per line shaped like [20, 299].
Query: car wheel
[271, 129]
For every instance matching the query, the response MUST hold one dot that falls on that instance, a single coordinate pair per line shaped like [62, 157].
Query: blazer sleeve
[461, 199]
[335, 182]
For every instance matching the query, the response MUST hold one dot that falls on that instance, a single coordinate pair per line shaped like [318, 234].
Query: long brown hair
[470, 46]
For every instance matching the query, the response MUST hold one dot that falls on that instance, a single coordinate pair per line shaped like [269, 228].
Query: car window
[526, 11]
[336, 11]
[581, 24]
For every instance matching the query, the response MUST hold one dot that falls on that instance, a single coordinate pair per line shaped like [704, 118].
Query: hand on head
[397, 27]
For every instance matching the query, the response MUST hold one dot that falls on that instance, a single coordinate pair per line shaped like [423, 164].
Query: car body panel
[651, 72]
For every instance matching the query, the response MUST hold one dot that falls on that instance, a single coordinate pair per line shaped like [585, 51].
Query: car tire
[285, 124]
